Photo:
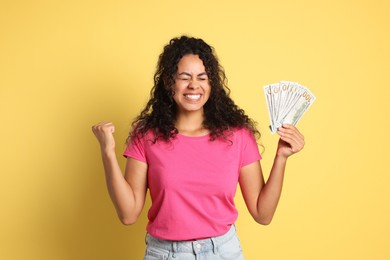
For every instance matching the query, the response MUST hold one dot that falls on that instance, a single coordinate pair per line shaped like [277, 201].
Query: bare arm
[262, 198]
[127, 192]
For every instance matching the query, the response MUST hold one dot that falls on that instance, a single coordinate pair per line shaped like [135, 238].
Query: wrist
[108, 152]
[280, 158]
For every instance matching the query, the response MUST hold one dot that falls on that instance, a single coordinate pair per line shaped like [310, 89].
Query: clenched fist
[104, 133]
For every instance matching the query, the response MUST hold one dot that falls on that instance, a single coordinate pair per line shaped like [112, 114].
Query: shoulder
[237, 136]
[141, 138]
[243, 133]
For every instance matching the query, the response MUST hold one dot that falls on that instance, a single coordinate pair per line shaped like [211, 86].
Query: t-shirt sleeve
[136, 149]
[249, 150]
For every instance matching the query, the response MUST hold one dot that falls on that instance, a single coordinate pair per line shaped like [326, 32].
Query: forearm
[270, 194]
[262, 197]
[119, 189]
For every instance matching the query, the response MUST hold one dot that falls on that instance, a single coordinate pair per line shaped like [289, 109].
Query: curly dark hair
[221, 114]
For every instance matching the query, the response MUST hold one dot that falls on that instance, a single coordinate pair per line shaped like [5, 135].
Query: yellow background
[66, 65]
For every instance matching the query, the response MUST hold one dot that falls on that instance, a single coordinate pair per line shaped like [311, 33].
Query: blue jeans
[225, 247]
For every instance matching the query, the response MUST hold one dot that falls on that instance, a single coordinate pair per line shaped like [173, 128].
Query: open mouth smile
[192, 97]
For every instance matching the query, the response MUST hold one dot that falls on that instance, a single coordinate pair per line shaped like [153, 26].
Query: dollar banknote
[287, 102]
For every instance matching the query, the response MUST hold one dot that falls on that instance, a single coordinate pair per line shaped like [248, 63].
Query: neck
[190, 124]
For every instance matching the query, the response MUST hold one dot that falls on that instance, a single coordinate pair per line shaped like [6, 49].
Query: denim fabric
[225, 247]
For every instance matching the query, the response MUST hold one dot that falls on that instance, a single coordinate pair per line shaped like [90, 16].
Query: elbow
[127, 221]
[265, 221]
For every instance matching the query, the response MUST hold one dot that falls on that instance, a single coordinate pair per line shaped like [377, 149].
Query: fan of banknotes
[287, 102]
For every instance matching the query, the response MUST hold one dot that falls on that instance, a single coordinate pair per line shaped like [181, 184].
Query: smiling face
[192, 87]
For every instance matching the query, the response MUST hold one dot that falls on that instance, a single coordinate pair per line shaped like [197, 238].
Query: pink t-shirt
[192, 182]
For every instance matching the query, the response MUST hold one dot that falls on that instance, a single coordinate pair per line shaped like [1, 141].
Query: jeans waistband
[196, 246]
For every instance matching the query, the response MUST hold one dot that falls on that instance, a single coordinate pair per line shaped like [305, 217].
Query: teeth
[193, 97]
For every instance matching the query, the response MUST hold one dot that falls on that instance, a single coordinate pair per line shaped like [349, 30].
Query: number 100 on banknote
[287, 102]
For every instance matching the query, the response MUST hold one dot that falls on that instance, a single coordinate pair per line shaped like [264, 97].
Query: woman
[191, 146]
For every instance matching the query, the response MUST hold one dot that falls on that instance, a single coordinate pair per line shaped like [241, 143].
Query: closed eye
[202, 76]
[184, 76]
[187, 76]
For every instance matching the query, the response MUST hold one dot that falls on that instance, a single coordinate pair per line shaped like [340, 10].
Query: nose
[193, 84]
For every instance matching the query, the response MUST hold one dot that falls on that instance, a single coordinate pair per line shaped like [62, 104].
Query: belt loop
[174, 249]
[214, 245]
[146, 238]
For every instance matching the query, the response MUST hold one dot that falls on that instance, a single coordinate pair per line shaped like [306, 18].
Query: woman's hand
[291, 140]
[104, 133]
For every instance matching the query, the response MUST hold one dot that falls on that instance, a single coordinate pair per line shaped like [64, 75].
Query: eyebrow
[188, 74]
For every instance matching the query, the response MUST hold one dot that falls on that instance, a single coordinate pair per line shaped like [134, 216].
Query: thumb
[112, 129]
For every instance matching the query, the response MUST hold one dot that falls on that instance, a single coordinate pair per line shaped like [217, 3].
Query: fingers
[103, 127]
[104, 134]
[292, 130]
[292, 136]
